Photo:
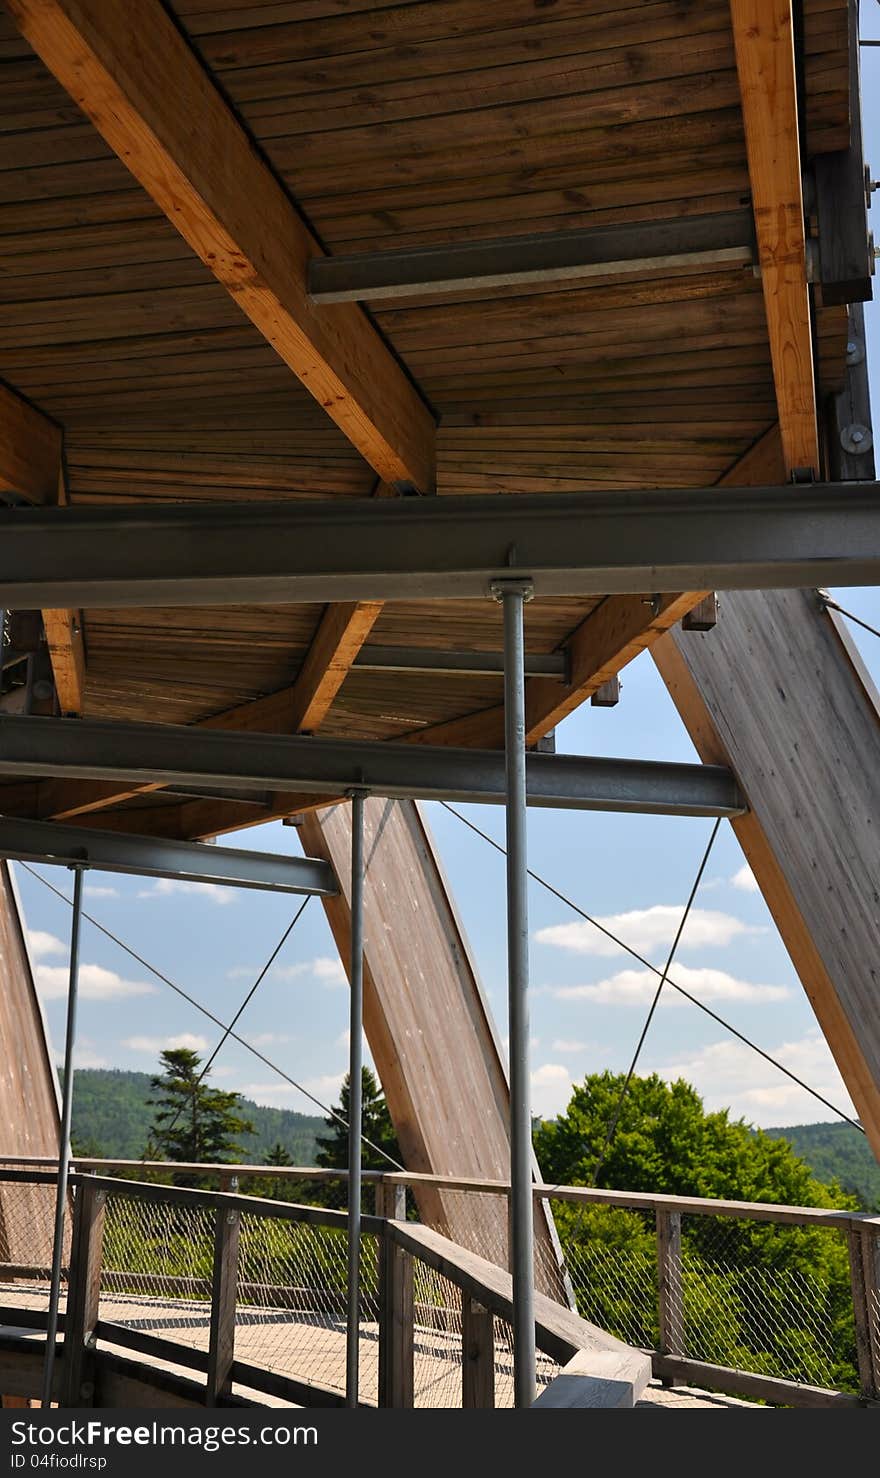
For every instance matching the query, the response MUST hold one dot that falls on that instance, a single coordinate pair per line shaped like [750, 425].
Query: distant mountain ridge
[837, 1151]
[111, 1119]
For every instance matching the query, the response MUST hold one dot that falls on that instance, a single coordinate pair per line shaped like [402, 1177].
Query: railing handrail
[843, 1220]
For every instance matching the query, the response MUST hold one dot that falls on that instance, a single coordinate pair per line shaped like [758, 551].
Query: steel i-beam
[576, 544]
[166, 754]
[110, 851]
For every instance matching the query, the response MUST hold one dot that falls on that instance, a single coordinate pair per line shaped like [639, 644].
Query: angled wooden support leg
[84, 1285]
[221, 1350]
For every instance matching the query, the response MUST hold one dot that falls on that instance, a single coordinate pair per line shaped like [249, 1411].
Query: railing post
[864, 1269]
[670, 1296]
[83, 1292]
[477, 1355]
[396, 1318]
[390, 1201]
[221, 1349]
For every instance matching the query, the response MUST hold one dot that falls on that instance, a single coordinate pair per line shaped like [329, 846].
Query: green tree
[377, 1127]
[758, 1294]
[191, 1121]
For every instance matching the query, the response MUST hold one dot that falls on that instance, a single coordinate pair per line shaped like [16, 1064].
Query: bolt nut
[855, 351]
[856, 439]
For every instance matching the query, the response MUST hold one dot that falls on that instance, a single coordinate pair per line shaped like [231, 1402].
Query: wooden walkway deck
[312, 1348]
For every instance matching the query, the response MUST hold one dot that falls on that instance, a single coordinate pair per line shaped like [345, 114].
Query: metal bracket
[515, 586]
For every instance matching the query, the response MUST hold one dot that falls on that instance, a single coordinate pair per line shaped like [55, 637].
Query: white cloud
[213, 892]
[329, 971]
[728, 1074]
[155, 1045]
[647, 929]
[242, 972]
[569, 1047]
[551, 1089]
[95, 983]
[41, 944]
[745, 880]
[637, 987]
[100, 890]
[269, 1039]
[84, 1055]
[325, 1089]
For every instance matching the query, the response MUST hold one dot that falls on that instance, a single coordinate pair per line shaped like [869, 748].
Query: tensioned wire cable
[245, 1003]
[618, 1110]
[563, 898]
[832, 605]
[178, 989]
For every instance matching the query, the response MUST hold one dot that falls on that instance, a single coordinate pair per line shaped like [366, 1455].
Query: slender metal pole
[355, 1085]
[63, 1142]
[513, 595]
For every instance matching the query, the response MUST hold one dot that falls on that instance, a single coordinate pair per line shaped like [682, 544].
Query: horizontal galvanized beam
[573, 544]
[176, 755]
[195, 862]
[429, 659]
[724, 239]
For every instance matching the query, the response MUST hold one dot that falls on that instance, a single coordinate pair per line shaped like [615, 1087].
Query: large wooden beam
[131, 71]
[30, 450]
[28, 1089]
[763, 36]
[31, 469]
[428, 1024]
[301, 707]
[773, 692]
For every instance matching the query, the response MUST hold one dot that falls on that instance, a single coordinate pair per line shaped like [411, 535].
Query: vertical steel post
[513, 594]
[63, 1142]
[355, 1083]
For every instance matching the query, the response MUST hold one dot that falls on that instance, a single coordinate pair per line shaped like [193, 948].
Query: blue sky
[588, 1005]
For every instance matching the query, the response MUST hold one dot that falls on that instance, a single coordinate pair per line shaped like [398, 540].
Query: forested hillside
[111, 1117]
[837, 1151]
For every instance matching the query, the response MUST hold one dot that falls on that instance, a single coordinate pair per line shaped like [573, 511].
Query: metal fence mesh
[157, 1267]
[291, 1311]
[27, 1222]
[774, 1299]
[755, 1296]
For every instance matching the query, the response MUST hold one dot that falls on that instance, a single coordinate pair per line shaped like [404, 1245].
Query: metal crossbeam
[79, 846]
[573, 544]
[175, 755]
[427, 659]
[723, 239]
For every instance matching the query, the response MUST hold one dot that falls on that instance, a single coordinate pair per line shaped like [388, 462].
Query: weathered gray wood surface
[777, 692]
[599, 1378]
[28, 1090]
[428, 1025]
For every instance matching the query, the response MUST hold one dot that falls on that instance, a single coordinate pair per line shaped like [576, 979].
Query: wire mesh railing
[788, 1296]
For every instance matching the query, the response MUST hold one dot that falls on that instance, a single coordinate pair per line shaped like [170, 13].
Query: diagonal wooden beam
[301, 708]
[132, 72]
[31, 469]
[763, 34]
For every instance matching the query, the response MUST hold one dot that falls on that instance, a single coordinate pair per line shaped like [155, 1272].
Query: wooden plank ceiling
[394, 126]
